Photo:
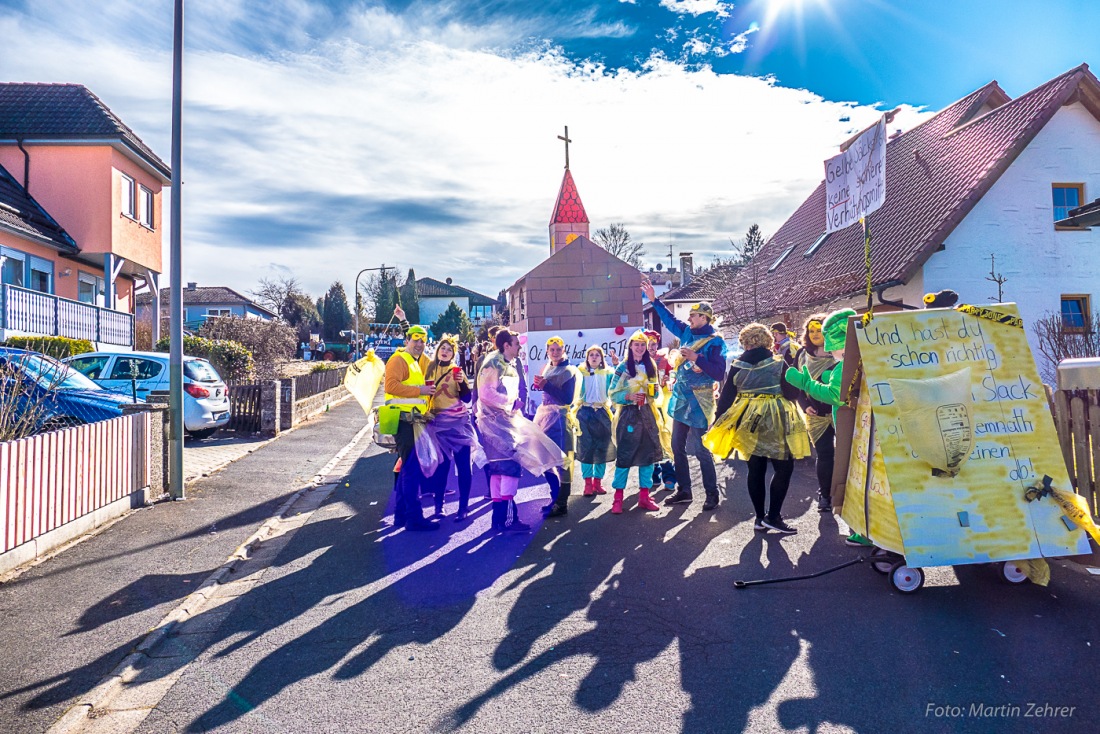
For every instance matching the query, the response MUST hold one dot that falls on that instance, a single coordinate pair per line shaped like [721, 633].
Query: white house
[436, 297]
[987, 176]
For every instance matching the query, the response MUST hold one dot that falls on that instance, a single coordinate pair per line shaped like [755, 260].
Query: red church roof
[935, 174]
[569, 209]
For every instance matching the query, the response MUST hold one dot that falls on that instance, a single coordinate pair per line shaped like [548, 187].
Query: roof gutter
[901, 306]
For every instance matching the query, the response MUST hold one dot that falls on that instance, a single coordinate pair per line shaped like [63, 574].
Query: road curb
[97, 699]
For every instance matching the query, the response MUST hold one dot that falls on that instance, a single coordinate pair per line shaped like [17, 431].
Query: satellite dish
[659, 266]
[448, 281]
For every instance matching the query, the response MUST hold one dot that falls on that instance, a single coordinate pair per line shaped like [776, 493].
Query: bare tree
[1059, 340]
[616, 240]
[272, 293]
[998, 278]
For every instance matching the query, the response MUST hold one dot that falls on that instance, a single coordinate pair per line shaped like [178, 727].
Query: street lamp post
[364, 270]
[175, 307]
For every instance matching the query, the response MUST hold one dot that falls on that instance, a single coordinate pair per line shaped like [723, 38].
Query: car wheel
[204, 433]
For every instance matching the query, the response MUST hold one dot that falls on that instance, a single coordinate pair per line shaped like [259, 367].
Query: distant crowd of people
[650, 412]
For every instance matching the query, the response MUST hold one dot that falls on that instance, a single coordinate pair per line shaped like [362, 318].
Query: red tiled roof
[935, 174]
[568, 209]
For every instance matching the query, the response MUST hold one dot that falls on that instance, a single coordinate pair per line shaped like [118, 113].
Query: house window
[1067, 196]
[146, 207]
[1076, 313]
[219, 312]
[90, 288]
[14, 267]
[782, 257]
[127, 196]
[41, 275]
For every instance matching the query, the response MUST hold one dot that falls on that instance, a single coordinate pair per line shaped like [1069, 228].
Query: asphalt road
[631, 623]
[65, 623]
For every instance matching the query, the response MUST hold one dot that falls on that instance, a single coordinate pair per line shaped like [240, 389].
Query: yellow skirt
[760, 425]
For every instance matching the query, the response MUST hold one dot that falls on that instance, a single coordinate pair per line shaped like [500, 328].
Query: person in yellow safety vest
[406, 389]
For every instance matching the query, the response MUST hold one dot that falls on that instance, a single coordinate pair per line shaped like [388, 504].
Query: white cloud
[698, 7]
[740, 42]
[408, 144]
[697, 46]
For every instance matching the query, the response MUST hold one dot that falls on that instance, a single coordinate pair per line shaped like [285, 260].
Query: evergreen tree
[410, 299]
[386, 298]
[300, 312]
[453, 321]
[336, 316]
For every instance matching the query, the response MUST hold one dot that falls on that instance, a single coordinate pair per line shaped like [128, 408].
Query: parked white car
[205, 395]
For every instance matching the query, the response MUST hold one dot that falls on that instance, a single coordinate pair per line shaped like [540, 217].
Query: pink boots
[593, 486]
[645, 502]
[617, 503]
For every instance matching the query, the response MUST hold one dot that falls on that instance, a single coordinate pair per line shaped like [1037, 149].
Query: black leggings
[439, 479]
[825, 449]
[781, 482]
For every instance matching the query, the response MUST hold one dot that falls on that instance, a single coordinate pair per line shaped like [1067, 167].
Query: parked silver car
[205, 398]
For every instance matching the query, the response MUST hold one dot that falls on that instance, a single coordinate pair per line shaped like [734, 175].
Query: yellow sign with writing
[965, 461]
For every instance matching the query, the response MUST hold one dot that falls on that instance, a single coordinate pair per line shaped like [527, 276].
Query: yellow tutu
[759, 425]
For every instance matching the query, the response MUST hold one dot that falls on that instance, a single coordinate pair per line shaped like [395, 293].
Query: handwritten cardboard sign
[855, 180]
[951, 463]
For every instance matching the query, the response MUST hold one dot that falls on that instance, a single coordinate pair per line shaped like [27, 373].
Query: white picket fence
[56, 486]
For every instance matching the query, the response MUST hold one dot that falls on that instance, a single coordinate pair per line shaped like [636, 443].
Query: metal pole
[175, 328]
[364, 270]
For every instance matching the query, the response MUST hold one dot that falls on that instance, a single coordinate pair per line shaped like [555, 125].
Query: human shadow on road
[418, 588]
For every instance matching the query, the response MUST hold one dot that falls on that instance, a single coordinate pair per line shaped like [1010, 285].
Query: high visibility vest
[415, 379]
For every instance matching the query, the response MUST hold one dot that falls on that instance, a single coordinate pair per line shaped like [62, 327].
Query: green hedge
[58, 347]
[232, 360]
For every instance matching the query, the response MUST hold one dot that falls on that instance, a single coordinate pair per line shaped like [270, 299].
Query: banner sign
[855, 180]
[533, 351]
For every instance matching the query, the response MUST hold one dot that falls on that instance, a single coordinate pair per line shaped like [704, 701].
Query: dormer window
[127, 202]
[779, 261]
[146, 207]
[817, 243]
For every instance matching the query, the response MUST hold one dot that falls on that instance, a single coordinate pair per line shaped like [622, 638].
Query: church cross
[567, 140]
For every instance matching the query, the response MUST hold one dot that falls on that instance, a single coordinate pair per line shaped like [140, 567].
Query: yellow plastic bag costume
[761, 422]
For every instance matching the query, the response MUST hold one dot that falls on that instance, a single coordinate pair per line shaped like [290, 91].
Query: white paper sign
[534, 349]
[855, 180]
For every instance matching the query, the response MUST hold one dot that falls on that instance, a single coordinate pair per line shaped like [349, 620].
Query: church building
[580, 292]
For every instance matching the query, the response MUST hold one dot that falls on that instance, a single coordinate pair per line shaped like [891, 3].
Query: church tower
[569, 219]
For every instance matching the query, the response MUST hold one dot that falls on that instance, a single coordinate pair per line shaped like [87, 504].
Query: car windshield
[52, 375]
[200, 370]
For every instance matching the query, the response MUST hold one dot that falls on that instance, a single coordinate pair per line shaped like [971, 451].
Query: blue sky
[321, 137]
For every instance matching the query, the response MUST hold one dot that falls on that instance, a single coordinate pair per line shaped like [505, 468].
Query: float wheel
[906, 580]
[1012, 574]
[881, 560]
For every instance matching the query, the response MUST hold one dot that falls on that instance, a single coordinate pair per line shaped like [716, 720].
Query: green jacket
[826, 391]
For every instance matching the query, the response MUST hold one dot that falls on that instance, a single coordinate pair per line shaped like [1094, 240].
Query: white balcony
[34, 313]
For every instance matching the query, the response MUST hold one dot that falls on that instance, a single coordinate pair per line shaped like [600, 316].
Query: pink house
[80, 215]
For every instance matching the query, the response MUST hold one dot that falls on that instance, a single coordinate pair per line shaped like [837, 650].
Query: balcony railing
[32, 312]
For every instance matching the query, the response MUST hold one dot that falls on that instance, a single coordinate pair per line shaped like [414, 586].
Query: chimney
[192, 286]
[685, 268]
